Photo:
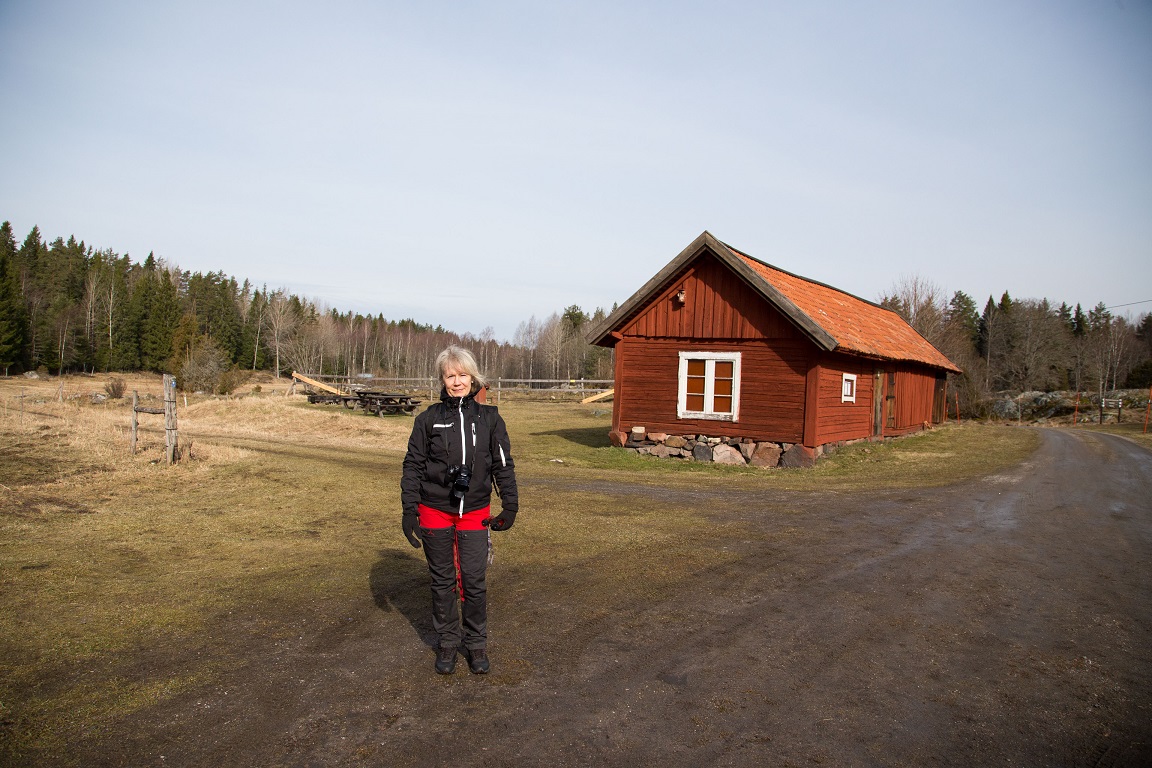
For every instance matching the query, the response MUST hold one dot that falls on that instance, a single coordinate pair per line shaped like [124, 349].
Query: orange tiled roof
[858, 326]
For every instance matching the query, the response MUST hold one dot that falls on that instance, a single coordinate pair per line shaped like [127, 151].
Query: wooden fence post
[1147, 409]
[135, 418]
[171, 438]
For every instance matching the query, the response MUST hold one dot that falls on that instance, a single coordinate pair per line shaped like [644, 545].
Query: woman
[458, 450]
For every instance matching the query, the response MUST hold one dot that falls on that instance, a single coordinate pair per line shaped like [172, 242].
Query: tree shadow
[589, 437]
[399, 582]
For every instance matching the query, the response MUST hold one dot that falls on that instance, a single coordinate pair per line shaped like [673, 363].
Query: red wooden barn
[720, 344]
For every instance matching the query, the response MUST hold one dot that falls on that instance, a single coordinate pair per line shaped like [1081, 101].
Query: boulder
[617, 438]
[657, 437]
[675, 441]
[746, 450]
[638, 434]
[726, 454]
[702, 452]
[1006, 409]
[798, 456]
[766, 455]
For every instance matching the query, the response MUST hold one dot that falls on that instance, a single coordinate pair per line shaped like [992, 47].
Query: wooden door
[878, 400]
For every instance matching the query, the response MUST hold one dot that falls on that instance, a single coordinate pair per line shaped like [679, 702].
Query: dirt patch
[1002, 621]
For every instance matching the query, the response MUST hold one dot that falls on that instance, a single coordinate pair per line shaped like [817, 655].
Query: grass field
[114, 569]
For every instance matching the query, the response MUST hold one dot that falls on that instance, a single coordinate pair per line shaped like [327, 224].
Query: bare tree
[527, 338]
[282, 321]
[1109, 348]
[111, 300]
[1039, 351]
[92, 292]
[551, 343]
[921, 302]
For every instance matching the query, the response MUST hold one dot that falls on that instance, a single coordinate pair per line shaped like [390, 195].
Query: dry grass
[116, 569]
[1133, 430]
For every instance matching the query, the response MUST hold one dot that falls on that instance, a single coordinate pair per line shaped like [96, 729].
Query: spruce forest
[66, 307]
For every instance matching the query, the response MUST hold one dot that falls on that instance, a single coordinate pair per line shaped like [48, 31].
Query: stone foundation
[741, 451]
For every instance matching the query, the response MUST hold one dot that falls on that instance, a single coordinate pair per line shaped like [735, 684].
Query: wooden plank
[601, 396]
[313, 383]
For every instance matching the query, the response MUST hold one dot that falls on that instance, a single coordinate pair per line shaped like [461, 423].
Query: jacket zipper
[463, 439]
[463, 449]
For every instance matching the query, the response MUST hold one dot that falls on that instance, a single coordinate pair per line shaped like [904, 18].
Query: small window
[848, 391]
[709, 385]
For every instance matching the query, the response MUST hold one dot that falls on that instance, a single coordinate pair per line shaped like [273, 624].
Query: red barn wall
[771, 388]
[915, 392]
[717, 305]
[837, 420]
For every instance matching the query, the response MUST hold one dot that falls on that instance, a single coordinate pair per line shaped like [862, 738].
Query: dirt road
[1006, 622]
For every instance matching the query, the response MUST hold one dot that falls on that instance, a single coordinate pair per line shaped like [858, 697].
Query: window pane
[723, 386]
[694, 402]
[695, 367]
[694, 385]
[722, 405]
[723, 369]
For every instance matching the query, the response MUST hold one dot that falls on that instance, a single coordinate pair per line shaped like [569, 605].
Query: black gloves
[410, 522]
[501, 523]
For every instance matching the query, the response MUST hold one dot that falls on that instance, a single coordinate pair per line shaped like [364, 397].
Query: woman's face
[456, 381]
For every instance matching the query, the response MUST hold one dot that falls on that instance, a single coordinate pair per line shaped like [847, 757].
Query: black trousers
[441, 546]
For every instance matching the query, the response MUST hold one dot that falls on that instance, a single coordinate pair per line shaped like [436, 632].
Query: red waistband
[471, 521]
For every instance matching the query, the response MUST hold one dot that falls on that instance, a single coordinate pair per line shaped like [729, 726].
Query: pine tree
[13, 321]
[160, 324]
[962, 316]
[34, 298]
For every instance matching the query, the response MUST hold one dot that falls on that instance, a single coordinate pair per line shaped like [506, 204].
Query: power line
[1129, 304]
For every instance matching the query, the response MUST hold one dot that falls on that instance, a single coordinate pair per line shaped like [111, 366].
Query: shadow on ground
[399, 583]
[589, 437]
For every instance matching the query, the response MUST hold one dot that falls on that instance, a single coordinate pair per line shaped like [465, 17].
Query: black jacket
[455, 432]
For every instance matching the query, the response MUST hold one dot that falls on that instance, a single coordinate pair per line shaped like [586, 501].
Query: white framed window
[709, 386]
[848, 388]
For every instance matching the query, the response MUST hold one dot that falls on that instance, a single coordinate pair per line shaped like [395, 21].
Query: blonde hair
[463, 361]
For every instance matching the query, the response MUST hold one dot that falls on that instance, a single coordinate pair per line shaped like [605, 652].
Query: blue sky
[475, 164]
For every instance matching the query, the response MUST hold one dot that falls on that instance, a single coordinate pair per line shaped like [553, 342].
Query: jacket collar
[456, 402]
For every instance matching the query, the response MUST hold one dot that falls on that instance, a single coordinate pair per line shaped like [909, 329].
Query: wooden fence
[579, 388]
[171, 433]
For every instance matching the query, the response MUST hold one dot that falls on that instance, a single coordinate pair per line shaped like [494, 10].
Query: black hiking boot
[478, 661]
[446, 661]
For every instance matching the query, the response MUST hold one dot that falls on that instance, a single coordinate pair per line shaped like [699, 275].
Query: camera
[461, 478]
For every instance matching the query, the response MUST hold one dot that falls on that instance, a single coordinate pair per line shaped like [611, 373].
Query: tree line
[1023, 345]
[66, 307]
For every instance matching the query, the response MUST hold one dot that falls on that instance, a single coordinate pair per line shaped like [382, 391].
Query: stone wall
[721, 450]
